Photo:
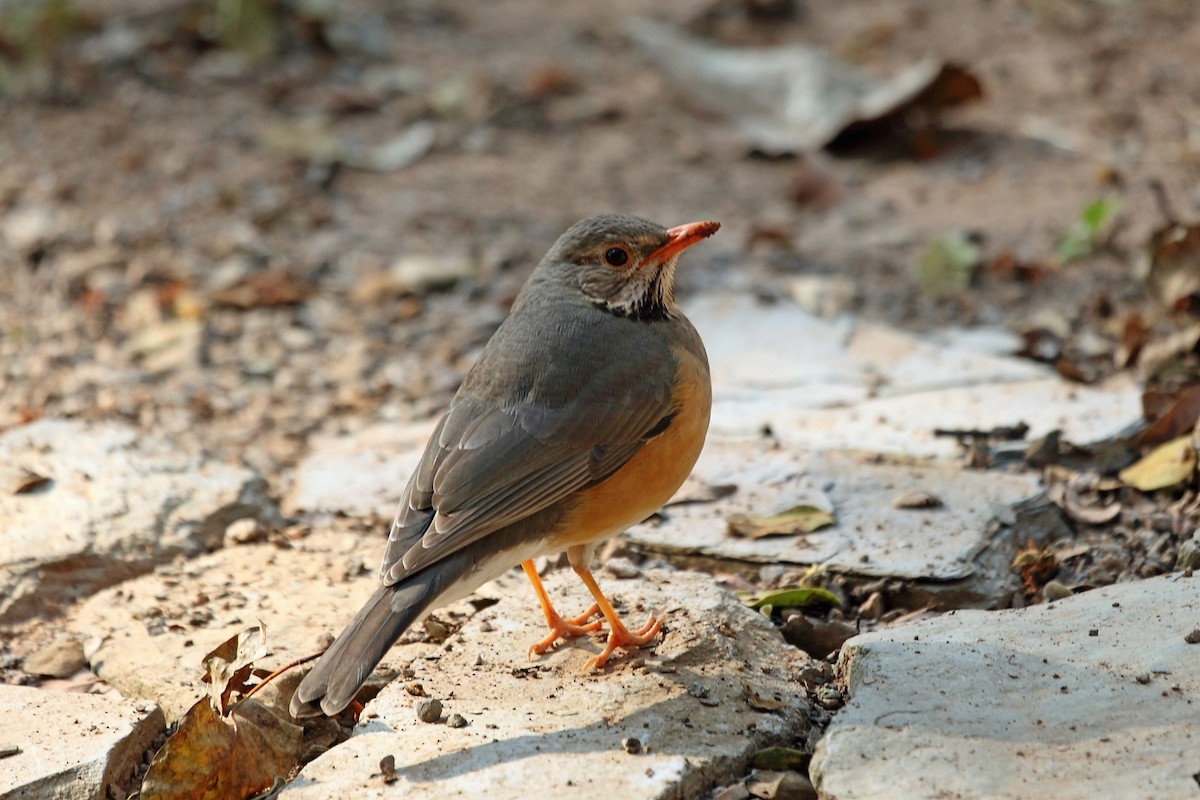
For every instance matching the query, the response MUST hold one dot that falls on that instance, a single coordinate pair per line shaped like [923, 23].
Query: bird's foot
[567, 629]
[620, 636]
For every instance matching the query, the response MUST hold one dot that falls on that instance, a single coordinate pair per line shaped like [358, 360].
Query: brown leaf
[794, 521]
[228, 666]
[1035, 565]
[1173, 278]
[1178, 418]
[1134, 335]
[211, 756]
[269, 289]
[29, 482]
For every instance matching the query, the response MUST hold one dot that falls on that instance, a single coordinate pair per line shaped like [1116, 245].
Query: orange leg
[559, 628]
[618, 634]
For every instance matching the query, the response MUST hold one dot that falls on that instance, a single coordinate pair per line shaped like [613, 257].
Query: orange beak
[682, 237]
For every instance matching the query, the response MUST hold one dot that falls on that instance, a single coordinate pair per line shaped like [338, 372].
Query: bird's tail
[344, 667]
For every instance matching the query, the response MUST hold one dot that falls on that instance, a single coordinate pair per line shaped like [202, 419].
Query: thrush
[583, 414]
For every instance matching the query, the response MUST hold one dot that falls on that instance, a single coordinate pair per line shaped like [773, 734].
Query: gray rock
[360, 475]
[116, 503]
[1024, 704]
[547, 718]
[958, 548]
[429, 709]
[72, 746]
[855, 385]
[1189, 554]
[154, 631]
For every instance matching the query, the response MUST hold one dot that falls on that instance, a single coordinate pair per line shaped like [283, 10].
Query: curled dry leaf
[215, 756]
[795, 98]
[1035, 565]
[28, 482]
[1167, 465]
[794, 521]
[1173, 273]
[227, 668]
[1178, 418]
[1075, 507]
[229, 749]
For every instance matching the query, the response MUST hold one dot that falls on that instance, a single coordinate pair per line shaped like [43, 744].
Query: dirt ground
[179, 248]
[143, 168]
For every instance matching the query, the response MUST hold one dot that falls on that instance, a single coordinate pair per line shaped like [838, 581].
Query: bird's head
[623, 264]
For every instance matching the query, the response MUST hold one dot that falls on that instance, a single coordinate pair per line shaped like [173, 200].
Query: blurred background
[237, 222]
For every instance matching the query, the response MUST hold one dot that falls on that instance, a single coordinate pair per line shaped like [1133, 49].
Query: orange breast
[640, 488]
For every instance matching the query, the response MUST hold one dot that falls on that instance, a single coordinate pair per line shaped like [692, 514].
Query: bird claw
[620, 637]
[567, 629]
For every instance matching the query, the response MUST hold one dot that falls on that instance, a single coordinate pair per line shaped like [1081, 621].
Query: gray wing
[487, 466]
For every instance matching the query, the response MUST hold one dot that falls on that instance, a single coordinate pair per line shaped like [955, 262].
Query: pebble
[244, 531]
[1189, 554]
[456, 721]
[632, 745]
[1054, 590]
[60, 659]
[620, 567]
[429, 709]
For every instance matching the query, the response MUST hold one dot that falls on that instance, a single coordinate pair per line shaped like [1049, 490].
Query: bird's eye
[616, 256]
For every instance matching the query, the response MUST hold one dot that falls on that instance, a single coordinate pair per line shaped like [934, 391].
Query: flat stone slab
[360, 475]
[852, 407]
[72, 746]
[696, 704]
[870, 537]
[1097, 695]
[84, 506]
[847, 384]
[152, 632]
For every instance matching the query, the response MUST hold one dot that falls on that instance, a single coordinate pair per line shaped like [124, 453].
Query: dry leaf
[1167, 465]
[217, 757]
[1173, 276]
[223, 749]
[269, 289]
[1178, 418]
[1035, 565]
[793, 98]
[794, 521]
[28, 482]
[228, 667]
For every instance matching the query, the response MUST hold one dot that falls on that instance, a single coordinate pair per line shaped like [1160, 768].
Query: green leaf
[779, 759]
[1083, 235]
[945, 265]
[808, 597]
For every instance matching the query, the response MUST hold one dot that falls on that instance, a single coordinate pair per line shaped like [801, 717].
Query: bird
[583, 414]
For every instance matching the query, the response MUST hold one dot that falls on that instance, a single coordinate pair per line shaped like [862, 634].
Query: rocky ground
[246, 259]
